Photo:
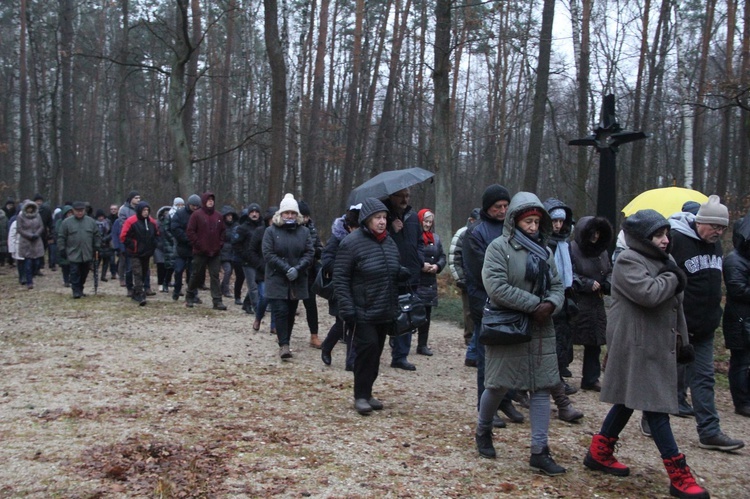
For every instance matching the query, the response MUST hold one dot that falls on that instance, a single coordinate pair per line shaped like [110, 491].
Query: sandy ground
[102, 398]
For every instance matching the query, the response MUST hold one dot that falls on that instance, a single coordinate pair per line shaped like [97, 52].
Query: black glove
[571, 307]
[461, 285]
[685, 353]
[292, 274]
[606, 287]
[34, 237]
[671, 267]
[404, 274]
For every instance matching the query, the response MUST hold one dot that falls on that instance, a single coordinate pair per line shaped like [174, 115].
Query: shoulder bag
[323, 285]
[411, 314]
[504, 326]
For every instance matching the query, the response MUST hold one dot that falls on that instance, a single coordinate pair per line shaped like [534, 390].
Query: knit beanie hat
[253, 207]
[178, 200]
[558, 214]
[691, 207]
[288, 204]
[304, 209]
[474, 214]
[531, 211]
[713, 212]
[493, 194]
[194, 200]
[131, 195]
[643, 223]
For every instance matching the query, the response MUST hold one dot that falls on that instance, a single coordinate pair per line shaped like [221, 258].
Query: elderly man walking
[78, 241]
[697, 250]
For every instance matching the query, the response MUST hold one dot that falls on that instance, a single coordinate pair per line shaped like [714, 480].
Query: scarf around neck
[537, 269]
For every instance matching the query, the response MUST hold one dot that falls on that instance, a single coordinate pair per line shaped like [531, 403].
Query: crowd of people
[515, 253]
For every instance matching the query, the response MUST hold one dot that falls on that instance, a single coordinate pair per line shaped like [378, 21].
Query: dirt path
[101, 398]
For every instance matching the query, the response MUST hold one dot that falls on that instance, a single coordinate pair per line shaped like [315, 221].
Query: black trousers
[369, 340]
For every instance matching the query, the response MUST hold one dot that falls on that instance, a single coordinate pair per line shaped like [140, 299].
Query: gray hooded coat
[644, 320]
[528, 366]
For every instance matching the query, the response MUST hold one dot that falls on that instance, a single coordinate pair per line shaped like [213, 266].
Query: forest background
[252, 98]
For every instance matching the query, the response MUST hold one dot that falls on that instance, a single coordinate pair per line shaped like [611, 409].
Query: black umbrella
[384, 184]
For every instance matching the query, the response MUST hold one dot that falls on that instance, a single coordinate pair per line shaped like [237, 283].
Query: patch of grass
[449, 309]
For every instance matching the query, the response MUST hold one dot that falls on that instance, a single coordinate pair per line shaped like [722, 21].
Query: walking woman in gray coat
[519, 273]
[646, 336]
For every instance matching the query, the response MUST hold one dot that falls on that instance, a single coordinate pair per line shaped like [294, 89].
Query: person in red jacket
[140, 234]
[205, 231]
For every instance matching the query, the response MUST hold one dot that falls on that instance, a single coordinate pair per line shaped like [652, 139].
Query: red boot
[600, 457]
[682, 484]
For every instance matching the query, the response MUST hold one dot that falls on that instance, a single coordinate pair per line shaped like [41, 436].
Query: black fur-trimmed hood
[586, 227]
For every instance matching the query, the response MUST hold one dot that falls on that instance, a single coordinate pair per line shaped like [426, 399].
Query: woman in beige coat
[646, 337]
[519, 273]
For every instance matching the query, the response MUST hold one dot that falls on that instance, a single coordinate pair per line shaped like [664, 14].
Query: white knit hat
[713, 212]
[288, 204]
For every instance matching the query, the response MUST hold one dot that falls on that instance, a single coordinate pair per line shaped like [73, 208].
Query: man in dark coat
[183, 257]
[405, 230]
[242, 238]
[77, 241]
[140, 235]
[495, 201]
[697, 250]
[205, 231]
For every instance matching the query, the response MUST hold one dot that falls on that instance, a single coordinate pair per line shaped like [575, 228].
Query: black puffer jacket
[737, 279]
[178, 229]
[366, 273]
[408, 241]
[428, 289]
[285, 247]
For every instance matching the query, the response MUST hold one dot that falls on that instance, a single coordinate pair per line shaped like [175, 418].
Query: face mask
[289, 222]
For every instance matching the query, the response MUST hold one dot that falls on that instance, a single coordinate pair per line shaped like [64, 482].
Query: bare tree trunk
[26, 181]
[636, 156]
[686, 110]
[191, 74]
[312, 168]
[351, 122]
[278, 99]
[743, 168]
[536, 132]
[441, 119]
[384, 141]
[700, 97]
[224, 169]
[727, 114]
[65, 177]
[582, 163]
[183, 50]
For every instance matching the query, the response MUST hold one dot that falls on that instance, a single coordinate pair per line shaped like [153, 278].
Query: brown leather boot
[314, 341]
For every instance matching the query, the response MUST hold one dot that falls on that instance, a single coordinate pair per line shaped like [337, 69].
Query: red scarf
[427, 237]
[380, 237]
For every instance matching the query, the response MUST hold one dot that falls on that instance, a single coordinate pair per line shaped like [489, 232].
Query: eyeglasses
[718, 228]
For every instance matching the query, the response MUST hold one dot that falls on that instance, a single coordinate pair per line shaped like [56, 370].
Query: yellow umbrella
[666, 200]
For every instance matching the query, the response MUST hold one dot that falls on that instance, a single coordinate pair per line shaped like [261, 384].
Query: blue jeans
[700, 378]
[181, 265]
[283, 313]
[471, 349]
[400, 346]
[619, 415]
[592, 367]
[252, 286]
[262, 305]
[28, 271]
[739, 377]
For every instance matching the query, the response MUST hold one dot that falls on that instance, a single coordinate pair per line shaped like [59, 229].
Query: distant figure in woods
[78, 241]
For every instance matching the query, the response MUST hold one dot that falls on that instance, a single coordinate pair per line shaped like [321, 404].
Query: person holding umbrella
[406, 232]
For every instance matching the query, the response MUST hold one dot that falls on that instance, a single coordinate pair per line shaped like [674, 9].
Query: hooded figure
[592, 271]
[140, 234]
[736, 321]
[30, 229]
[366, 276]
[205, 230]
[519, 273]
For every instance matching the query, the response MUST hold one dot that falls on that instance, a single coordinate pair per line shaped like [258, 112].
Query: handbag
[411, 314]
[504, 326]
[323, 285]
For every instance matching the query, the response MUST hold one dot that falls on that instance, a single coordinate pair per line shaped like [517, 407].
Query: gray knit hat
[713, 212]
[195, 200]
[643, 223]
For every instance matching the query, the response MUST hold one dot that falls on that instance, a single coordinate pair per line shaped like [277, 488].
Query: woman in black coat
[288, 253]
[434, 263]
[737, 316]
[592, 273]
[365, 280]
